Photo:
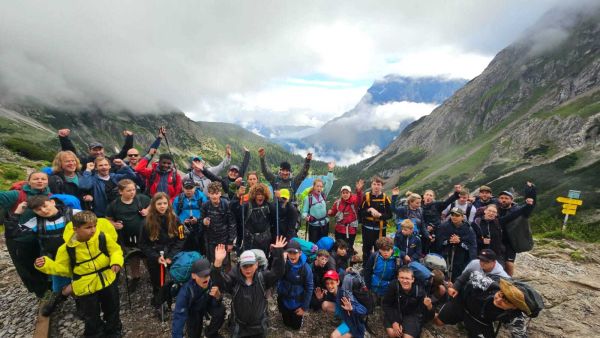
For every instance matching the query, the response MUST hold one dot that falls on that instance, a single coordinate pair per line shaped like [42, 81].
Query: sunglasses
[133, 155]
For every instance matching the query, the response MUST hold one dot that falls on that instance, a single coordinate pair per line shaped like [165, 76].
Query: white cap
[346, 187]
[247, 257]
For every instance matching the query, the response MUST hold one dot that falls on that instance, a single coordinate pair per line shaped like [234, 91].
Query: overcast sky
[237, 61]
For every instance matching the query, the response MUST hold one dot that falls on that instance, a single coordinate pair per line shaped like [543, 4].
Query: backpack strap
[73, 259]
[179, 207]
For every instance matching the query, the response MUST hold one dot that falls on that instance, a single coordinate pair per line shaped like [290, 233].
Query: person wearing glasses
[95, 149]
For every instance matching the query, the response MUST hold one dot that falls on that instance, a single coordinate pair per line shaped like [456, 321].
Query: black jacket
[248, 302]
[396, 304]
[170, 245]
[222, 227]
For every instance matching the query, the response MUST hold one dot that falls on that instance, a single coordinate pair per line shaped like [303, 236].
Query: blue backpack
[308, 248]
[420, 271]
[325, 243]
[68, 200]
[180, 271]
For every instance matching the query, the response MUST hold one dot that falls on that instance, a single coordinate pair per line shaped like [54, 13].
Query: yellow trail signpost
[570, 205]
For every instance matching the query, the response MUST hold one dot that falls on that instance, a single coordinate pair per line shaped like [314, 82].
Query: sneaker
[55, 299]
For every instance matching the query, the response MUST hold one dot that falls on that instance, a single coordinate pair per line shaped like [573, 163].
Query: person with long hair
[66, 174]
[259, 219]
[161, 233]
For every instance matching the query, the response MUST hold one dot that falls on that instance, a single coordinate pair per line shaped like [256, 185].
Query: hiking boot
[53, 302]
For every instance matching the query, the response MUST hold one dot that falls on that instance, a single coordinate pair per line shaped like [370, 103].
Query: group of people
[68, 231]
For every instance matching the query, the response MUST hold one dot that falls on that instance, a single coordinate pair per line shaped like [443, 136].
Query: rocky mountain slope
[534, 113]
[31, 130]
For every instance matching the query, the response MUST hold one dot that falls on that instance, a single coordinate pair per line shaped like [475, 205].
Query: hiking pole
[126, 283]
[450, 270]
[277, 214]
[162, 284]
[169, 150]
[243, 225]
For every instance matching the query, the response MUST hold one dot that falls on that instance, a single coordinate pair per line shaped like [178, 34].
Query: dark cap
[197, 158]
[507, 193]
[201, 267]
[234, 167]
[188, 183]
[285, 166]
[457, 211]
[95, 145]
[485, 188]
[487, 255]
[293, 246]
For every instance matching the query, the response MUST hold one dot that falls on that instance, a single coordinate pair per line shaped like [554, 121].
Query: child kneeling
[92, 259]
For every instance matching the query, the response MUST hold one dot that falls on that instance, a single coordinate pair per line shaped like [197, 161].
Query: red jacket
[173, 189]
[349, 213]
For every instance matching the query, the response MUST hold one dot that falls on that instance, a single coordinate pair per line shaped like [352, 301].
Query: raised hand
[261, 152]
[127, 132]
[88, 198]
[90, 166]
[331, 165]
[452, 292]
[241, 191]
[360, 184]
[246, 149]
[152, 151]
[64, 132]
[396, 191]
[346, 304]
[238, 181]
[457, 188]
[162, 132]
[280, 243]
[228, 150]
[220, 254]
[529, 201]
[118, 162]
[309, 156]
[319, 293]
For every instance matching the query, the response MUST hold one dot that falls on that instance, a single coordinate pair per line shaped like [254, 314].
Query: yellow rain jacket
[92, 271]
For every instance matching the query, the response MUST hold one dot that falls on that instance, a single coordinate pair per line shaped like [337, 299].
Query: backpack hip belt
[374, 228]
[318, 222]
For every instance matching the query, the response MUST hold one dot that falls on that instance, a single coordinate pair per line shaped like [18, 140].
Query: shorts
[343, 328]
[411, 325]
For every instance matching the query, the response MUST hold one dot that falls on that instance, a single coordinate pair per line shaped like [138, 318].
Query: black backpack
[111, 189]
[534, 300]
[73, 259]
[360, 291]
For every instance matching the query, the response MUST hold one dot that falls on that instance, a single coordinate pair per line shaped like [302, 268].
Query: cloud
[341, 157]
[222, 60]
[385, 117]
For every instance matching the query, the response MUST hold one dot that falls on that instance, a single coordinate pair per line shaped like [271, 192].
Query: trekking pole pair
[169, 150]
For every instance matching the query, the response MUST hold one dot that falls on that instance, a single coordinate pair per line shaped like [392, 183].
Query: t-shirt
[129, 215]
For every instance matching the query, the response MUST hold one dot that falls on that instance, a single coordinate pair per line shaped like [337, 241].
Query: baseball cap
[346, 187]
[507, 193]
[201, 267]
[331, 274]
[285, 166]
[247, 257]
[234, 167]
[95, 145]
[293, 246]
[188, 183]
[487, 255]
[284, 193]
[197, 158]
[457, 211]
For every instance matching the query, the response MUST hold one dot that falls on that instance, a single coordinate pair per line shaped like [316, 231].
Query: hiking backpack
[310, 204]
[152, 178]
[434, 261]
[309, 249]
[12, 228]
[536, 302]
[358, 288]
[180, 271]
[73, 258]
[519, 234]
[179, 206]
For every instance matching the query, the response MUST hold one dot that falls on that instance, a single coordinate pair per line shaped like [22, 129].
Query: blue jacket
[355, 319]
[92, 182]
[379, 272]
[190, 206]
[295, 289]
[191, 297]
[409, 246]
